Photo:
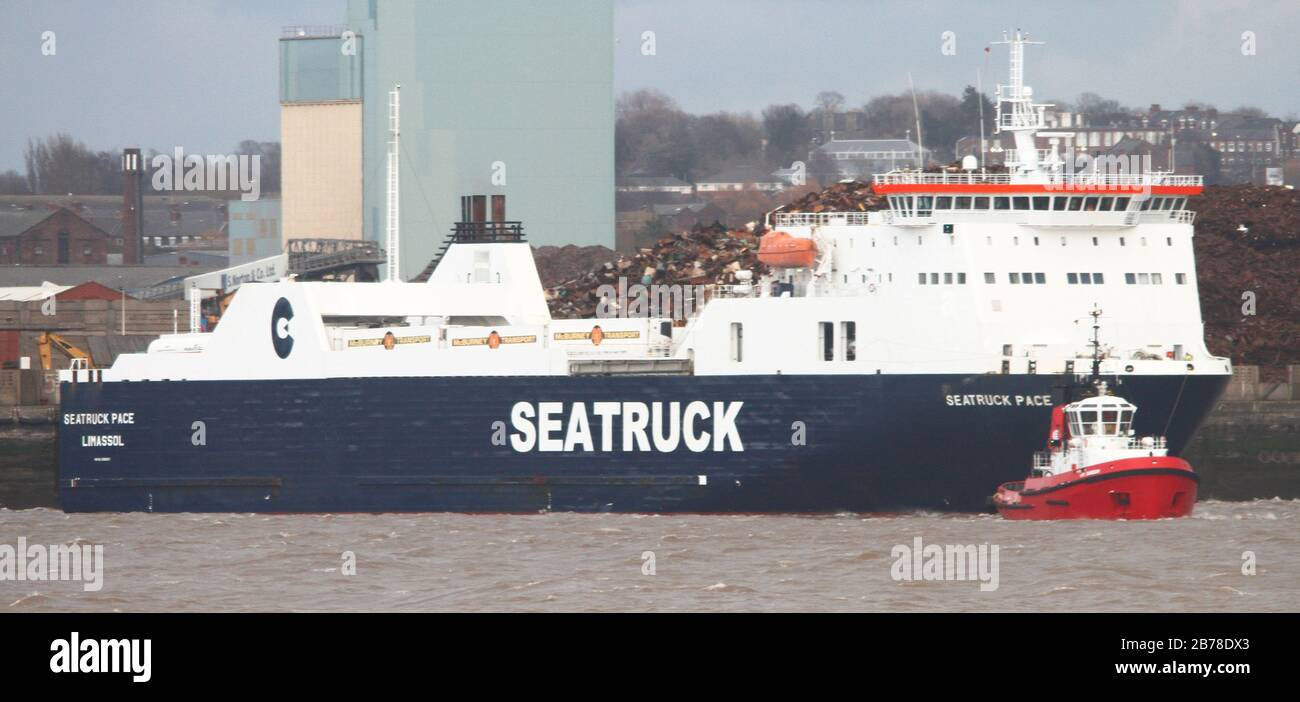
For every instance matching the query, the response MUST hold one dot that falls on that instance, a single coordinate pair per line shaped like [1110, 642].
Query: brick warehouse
[58, 237]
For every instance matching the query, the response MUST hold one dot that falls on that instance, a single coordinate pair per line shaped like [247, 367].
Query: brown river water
[678, 563]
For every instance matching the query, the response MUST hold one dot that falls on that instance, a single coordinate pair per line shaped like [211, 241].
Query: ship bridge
[1042, 199]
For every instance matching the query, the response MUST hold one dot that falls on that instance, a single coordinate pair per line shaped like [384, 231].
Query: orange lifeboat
[780, 250]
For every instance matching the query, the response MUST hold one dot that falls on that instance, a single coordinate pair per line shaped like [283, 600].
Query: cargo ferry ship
[902, 359]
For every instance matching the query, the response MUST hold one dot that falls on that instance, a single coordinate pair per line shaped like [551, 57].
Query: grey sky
[203, 74]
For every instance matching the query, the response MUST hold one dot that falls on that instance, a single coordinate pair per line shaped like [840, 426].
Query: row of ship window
[1031, 278]
[923, 205]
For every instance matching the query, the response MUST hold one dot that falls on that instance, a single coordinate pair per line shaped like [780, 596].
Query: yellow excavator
[49, 339]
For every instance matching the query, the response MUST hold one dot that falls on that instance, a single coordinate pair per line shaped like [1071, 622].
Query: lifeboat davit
[781, 250]
[1095, 468]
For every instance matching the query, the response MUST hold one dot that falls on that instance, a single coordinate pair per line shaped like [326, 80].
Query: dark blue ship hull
[869, 443]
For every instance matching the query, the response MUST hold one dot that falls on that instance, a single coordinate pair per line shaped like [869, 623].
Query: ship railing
[1012, 156]
[1138, 443]
[1179, 216]
[1060, 179]
[817, 219]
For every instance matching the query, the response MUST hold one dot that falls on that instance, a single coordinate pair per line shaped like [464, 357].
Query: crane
[50, 339]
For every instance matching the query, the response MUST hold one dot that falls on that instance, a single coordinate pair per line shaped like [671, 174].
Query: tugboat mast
[1096, 343]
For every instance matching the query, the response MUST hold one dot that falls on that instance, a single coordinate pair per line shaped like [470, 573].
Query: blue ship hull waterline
[868, 443]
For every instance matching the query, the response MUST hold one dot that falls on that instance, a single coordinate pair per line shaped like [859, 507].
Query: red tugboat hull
[1155, 487]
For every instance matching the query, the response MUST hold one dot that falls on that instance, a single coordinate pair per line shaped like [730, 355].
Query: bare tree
[829, 101]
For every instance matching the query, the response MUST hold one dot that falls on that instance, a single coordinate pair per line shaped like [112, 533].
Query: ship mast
[393, 243]
[1016, 110]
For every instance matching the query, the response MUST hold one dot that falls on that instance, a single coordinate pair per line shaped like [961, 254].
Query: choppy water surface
[577, 562]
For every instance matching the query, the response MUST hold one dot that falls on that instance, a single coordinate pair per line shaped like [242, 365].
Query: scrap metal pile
[853, 196]
[704, 255]
[557, 264]
[1247, 255]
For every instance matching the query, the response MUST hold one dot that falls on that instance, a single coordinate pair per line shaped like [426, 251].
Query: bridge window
[943, 202]
[1121, 203]
[826, 332]
[1020, 203]
[962, 203]
[1110, 422]
[981, 203]
[1076, 204]
[1059, 203]
[1090, 204]
[1106, 202]
[1042, 202]
[1001, 203]
[1014, 278]
[849, 340]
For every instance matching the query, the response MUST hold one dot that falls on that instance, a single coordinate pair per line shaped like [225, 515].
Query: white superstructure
[965, 273]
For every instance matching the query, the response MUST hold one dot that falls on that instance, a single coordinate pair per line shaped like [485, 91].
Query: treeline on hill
[654, 136]
[60, 164]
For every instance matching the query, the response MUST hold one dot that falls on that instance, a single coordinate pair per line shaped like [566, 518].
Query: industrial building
[498, 97]
[320, 135]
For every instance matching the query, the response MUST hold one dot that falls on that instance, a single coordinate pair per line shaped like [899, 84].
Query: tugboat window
[1110, 420]
[1089, 420]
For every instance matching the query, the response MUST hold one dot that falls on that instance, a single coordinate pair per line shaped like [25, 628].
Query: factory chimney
[132, 207]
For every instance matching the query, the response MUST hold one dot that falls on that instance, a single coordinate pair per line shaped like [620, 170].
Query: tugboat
[1095, 468]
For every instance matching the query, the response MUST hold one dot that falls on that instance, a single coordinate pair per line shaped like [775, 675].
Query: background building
[254, 230]
[320, 134]
[498, 97]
